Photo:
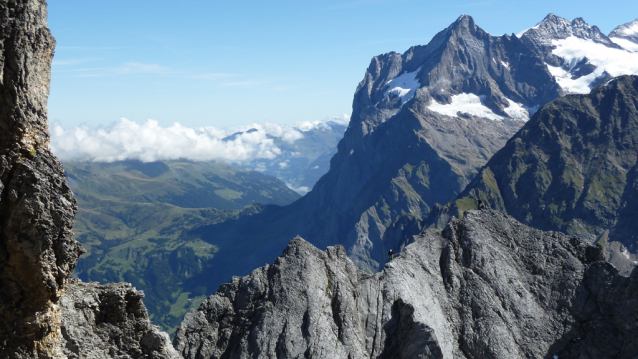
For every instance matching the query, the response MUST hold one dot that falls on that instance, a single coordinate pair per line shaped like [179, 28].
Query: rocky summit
[485, 286]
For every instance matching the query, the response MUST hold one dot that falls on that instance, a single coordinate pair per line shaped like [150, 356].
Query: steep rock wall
[37, 251]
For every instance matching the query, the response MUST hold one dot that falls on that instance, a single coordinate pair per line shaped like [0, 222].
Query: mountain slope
[484, 287]
[572, 167]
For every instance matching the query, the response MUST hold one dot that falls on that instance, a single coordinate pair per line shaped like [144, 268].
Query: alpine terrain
[423, 124]
[485, 286]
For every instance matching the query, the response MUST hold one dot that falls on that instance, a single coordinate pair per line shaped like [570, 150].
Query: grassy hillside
[135, 219]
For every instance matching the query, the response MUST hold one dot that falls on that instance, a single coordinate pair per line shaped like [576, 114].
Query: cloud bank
[148, 142]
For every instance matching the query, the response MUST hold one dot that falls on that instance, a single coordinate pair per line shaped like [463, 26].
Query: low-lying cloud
[148, 142]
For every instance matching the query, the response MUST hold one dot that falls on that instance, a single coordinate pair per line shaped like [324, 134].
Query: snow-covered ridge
[472, 104]
[627, 30]
[403, 86]
[573, 50]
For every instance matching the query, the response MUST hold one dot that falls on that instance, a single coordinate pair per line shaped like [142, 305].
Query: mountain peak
[553, 19]
[626, 35]
[557, 28]
[463, 21]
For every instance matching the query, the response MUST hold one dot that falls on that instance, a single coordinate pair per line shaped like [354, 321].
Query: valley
[135, 221]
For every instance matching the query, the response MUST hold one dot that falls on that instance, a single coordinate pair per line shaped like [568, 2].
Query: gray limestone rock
[110, 321]
[486, 286]
[37, 251]
[37, 209]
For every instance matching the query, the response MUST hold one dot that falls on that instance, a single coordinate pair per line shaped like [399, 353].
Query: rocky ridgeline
[486, 286]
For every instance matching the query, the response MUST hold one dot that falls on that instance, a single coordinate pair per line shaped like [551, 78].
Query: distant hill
[134, 219]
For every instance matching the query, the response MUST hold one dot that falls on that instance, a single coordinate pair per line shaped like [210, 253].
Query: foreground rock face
[110, 321]
[37, 208]
[37, 251]
[484, 287]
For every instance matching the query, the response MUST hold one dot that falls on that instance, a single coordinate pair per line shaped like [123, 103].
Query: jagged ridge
[484, 287]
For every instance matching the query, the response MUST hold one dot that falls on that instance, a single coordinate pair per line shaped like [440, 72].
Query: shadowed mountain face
[572, 167]
[484, 287]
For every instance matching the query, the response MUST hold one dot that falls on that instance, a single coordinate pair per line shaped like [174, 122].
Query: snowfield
[615, 62]
[403, 86]
[472, 104]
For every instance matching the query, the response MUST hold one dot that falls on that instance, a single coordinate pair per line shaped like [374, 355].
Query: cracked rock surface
[37, 251]
[486, 286]
[110, 321]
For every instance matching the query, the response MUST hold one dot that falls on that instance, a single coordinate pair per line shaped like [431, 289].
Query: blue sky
[233, 63]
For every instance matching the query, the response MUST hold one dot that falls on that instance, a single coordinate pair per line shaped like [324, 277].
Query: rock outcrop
[37, 251]
[110, 321]
[486, 286]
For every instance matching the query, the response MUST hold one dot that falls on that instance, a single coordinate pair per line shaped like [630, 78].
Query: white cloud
[148, 142]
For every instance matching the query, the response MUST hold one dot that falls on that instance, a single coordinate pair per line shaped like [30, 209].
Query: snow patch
[473, 105]
[625, 253]
[306, 126]
[630, 30]
[573, 49]
[403, 86]
[625, 44]
[302, 190]
[517, 111]
[505, 64]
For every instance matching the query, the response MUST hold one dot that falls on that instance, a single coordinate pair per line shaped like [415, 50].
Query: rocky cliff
[37, 251]
[43, 315]
[486, 286]
[110, 321]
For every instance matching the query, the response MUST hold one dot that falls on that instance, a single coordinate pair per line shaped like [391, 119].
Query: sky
[234, 63]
